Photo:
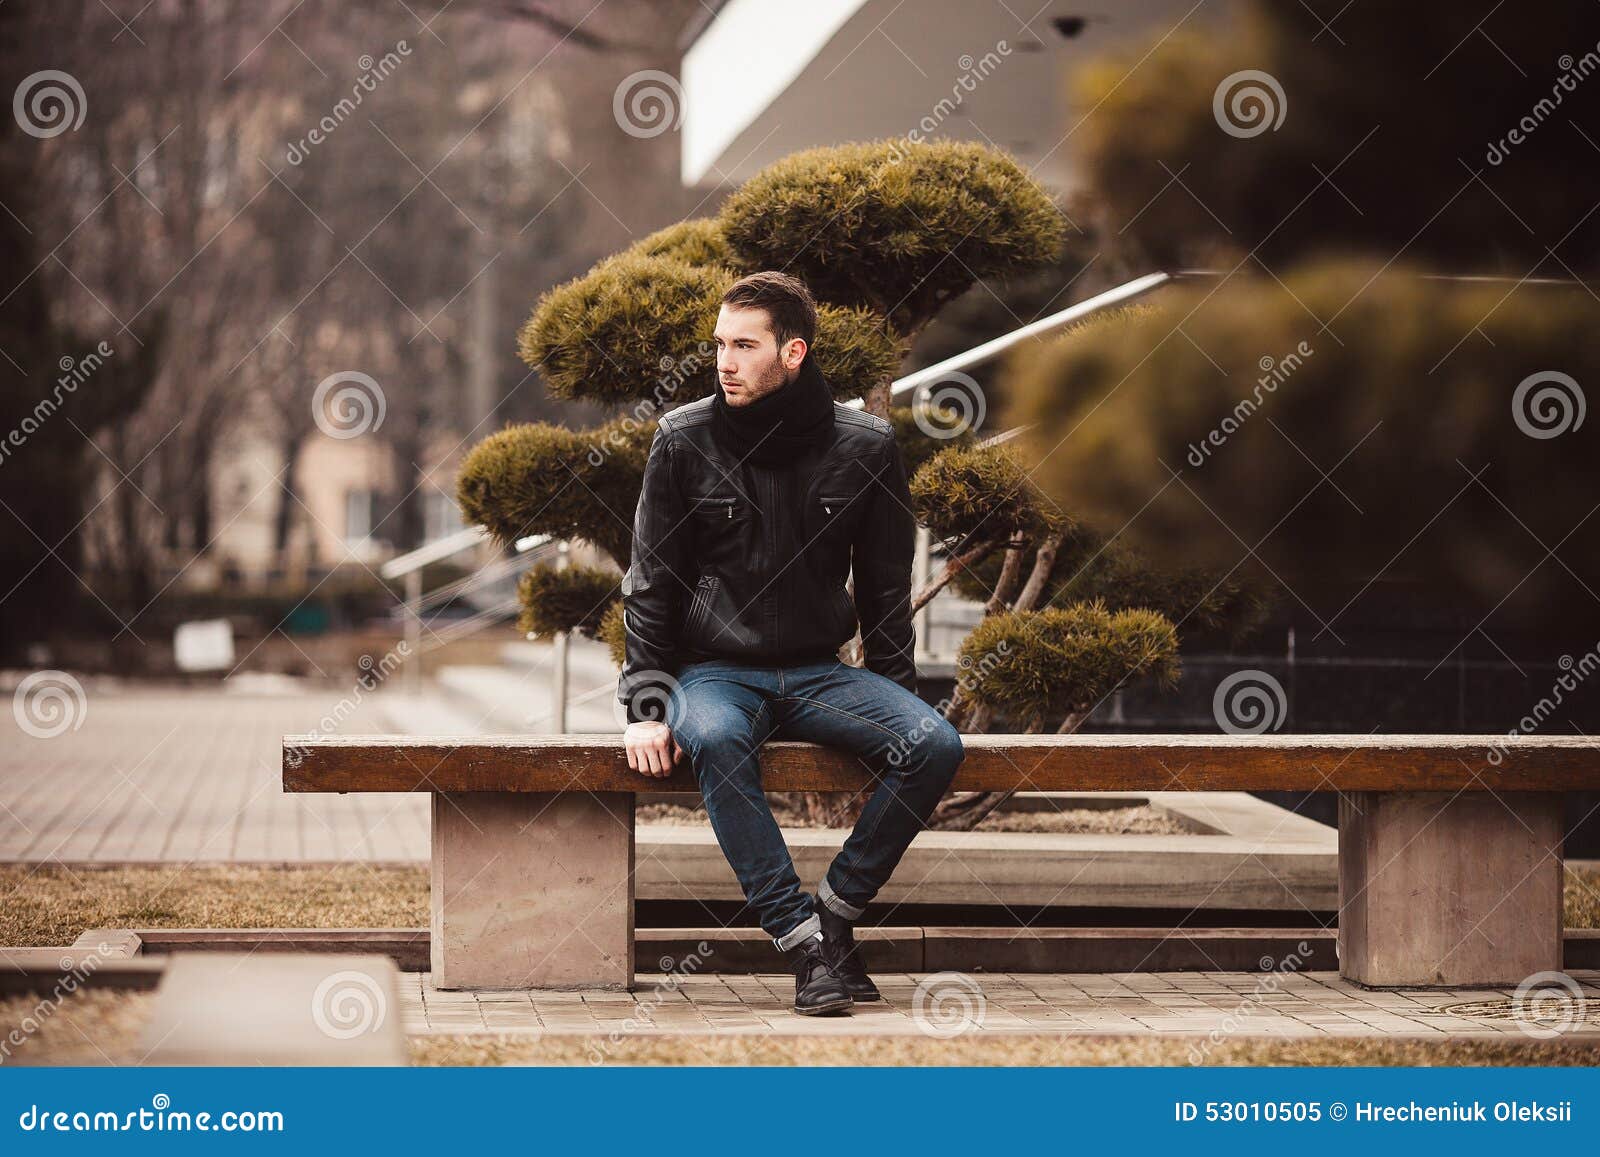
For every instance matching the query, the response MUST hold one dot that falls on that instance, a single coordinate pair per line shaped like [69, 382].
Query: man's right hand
[651, 748]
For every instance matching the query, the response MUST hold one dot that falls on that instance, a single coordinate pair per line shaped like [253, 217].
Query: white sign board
[204, 645]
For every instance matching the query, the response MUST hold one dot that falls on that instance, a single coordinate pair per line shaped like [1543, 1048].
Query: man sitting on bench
[757, 503]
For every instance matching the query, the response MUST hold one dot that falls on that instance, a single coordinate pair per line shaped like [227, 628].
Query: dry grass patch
[1043, 1049]
[54, 904]
[1143, 820]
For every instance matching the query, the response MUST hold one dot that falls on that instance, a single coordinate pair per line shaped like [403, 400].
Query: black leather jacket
[733, 560]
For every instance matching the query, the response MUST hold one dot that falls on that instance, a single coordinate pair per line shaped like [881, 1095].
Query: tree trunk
[876, 400]
[953, 567]
[1010, 575]
[1043, 563]
[287, 488]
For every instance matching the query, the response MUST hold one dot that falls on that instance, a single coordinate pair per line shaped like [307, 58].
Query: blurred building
[762, 80]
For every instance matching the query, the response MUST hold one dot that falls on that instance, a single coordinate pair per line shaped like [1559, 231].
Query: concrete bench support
[1449, 888]
[532, 890]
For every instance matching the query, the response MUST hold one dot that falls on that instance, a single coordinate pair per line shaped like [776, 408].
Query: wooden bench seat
[1450, 859]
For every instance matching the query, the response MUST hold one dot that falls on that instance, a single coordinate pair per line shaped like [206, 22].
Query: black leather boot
[844, 954]
[817, 991]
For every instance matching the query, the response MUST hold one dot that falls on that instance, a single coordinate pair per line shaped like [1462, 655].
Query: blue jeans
[726, 710]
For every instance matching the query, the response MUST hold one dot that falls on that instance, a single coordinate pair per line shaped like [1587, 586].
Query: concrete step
[1019, 869]
[425, 714]
[586, 659]
[518, 701]
[288, 1008]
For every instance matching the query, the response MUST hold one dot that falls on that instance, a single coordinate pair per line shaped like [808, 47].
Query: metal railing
[417, 603]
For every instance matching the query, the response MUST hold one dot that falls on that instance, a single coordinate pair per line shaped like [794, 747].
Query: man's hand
[651, 748]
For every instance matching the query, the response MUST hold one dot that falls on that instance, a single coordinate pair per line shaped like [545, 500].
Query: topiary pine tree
[885, 235]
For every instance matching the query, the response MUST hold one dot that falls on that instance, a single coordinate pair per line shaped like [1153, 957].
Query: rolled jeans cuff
[808, 927]
[838, 907]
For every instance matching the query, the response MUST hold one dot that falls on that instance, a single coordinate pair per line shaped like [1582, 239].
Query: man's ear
[794, 353]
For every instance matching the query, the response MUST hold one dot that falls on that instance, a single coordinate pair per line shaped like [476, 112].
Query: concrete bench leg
[532, 890]
[1442, 889]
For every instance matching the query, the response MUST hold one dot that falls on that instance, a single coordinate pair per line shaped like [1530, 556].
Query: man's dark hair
[786, 299]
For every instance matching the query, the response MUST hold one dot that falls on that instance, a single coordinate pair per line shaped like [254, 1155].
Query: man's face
[749, 363]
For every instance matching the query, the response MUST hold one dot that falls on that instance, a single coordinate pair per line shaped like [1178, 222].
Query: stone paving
[1307, 1004]
[175, 775]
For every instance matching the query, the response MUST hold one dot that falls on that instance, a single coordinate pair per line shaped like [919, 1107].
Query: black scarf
[776, 429]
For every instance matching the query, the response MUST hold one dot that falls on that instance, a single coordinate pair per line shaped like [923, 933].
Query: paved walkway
[153, 775]
[1307, 1004]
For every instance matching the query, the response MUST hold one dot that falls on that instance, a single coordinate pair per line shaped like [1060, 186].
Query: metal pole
[921, 575]
[559, 682]
[414, 631]
[559, 664]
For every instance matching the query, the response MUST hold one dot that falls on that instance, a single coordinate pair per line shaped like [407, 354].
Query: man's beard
[772, 377]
